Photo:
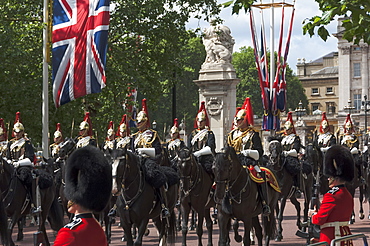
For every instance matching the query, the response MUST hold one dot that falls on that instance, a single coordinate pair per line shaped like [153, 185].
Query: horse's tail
[3, 224]
[269, 223]
[172, 232]
[56, 215]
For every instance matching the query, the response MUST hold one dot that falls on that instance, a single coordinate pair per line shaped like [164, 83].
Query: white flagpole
[45, 75]
[272, 49]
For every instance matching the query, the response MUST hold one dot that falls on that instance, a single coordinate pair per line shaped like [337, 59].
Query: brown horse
[237, 197]
[195, 188]
[277, 163]
[139, 201]
[15, 199]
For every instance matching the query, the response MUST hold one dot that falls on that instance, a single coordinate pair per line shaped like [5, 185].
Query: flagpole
[272, 49]
[45, 75]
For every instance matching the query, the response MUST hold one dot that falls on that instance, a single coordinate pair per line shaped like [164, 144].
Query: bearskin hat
[201, 115]
[339, 163]
[88, 178]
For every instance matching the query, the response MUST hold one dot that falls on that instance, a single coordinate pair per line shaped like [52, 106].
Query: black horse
[15, 198]
[3, 224]
[139, 202]
[237, 196]
[195, 188]
[278, 163]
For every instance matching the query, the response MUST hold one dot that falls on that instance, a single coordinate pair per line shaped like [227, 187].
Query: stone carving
[219, 44]
[214, 106]
[346, 50]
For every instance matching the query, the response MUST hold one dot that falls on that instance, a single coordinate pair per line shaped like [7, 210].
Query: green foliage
[144, 51]
[244, 64]
[356, 24]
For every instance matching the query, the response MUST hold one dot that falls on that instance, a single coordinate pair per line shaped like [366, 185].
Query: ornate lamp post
[154, 125]
[365, 105]
[300, 111]
[349, 106]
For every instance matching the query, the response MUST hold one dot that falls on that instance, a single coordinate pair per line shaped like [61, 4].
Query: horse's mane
[226, 152]
[184, 152]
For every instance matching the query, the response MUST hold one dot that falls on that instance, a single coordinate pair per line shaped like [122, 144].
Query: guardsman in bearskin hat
[58, 141]
[248, 146]
[85, 135]
[88, 188]
[202, 140]
[337, 204]
[291, 144]
[123, 134]
[3, 138]
[350, 140]
[110, 142]
[175, 143]
[22, 155]
[146, 143]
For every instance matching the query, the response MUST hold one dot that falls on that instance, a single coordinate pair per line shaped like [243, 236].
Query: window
[357, 101]
[315, 106]
[356, 69]
[329, 90]
[315, 91]
[330, 107]
[357, 48]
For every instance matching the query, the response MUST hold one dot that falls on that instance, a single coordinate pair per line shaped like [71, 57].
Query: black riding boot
[264, 195]
[297, 186]
[164, 204]
[113, 211]
[33, 197]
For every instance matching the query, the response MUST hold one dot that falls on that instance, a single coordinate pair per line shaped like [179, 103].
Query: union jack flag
[80, 37]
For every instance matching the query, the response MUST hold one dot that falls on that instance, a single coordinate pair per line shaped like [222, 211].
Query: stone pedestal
[217, 87]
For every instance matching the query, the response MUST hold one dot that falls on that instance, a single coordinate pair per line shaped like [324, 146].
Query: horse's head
[222, 168]
[118, 161]
[6, 172]
[185, 166]
[275, 149]
[67, 147]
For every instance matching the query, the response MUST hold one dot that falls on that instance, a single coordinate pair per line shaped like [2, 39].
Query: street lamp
[348, 106]
[365, 105]
[300, 111]
[154, 124]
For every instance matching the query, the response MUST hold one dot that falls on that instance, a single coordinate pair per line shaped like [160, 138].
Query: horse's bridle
[197, 179]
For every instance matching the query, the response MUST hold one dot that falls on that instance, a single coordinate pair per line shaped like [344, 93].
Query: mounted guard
[110, 142]
[202, 140]
[85, 135]
[123, 134]
[21, 154]
[248, 146]
[175, 144]
[58, 141]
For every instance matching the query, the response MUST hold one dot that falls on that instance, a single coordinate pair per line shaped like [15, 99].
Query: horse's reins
[193, 184]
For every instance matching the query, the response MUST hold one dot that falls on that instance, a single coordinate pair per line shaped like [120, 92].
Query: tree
[144, 44]
[244, 64]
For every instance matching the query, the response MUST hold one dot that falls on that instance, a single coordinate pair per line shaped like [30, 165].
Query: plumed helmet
[201, 115]
[86, 124]
[235, 118]
[18, 126]
[246, 113]
[339, 163]
[348, 125]
[123, 126]
[58, 131]
[88, 178]
[324, 126]
[143, 115]
[175, 127]
[110, 130]
[3, 129]
[289, 123]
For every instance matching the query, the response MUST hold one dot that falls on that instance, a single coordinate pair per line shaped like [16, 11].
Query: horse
[278, 165]
[138, 201]
[195, 188]
[3, 224]
[237, 196]
[15, 198]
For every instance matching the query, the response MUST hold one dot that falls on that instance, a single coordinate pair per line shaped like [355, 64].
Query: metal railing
[344, 238]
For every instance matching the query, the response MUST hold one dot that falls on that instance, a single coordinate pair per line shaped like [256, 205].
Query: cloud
[301, 46]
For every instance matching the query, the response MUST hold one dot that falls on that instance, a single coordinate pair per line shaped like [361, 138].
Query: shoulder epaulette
[73, 224]
[333, 190]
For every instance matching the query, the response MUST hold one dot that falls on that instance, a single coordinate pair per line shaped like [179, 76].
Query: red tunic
[337, 205]
[83, 230]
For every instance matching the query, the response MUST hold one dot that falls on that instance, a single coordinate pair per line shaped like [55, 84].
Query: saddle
[270, 177]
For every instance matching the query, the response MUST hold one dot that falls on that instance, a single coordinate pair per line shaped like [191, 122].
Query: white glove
[205, 151]
[23, 163]
[146, 151]
[323, 150]
[365, 149]
[251, 153]
[16, 164]
[292, 152]
[354, 151]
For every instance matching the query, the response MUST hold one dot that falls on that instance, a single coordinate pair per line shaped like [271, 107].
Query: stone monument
[217, 81]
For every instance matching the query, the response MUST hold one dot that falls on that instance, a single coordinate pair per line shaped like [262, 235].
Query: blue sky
[301, 46]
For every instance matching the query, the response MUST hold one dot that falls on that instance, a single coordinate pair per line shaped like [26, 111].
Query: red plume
[145, 109]
[290, 118]
[202, 108]
[88, 120]
[322, 119]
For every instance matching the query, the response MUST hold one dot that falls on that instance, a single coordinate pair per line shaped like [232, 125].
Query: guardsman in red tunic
[337, 204]
[88, 189]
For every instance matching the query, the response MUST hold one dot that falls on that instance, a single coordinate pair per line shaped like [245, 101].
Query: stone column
[364, 71]
[344, 77]
[217, 81]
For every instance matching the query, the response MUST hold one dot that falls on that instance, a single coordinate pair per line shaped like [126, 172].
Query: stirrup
[35, 210]
[266, 211]
[112, 212]
[165, 212]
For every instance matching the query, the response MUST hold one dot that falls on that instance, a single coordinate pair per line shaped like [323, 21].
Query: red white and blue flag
[80, 37]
